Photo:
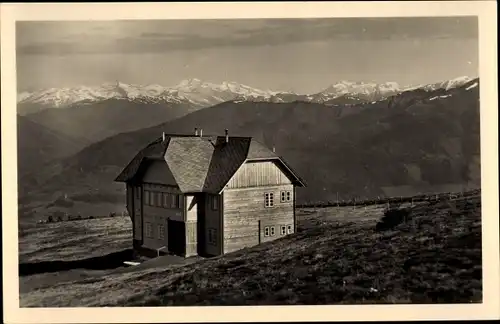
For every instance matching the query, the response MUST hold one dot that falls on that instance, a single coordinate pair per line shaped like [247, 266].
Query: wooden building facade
[208, 195]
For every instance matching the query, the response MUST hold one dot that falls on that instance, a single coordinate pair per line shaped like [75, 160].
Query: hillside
[38, 145]
[418, 141]
[433, 257]
[96, 121]
[74, 240]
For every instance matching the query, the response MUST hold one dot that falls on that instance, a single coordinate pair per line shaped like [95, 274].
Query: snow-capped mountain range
[204, 94]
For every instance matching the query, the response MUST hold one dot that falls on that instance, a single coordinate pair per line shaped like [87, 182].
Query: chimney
[227, 136]
[163, 136]
[274, 149]
[201, 132]
[195, 131]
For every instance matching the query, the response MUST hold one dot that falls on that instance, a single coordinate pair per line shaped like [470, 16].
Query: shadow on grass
[105, 262]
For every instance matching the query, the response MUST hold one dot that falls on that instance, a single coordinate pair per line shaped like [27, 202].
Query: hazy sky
[303, 55]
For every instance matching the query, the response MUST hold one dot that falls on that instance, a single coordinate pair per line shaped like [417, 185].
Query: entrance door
[176, 237]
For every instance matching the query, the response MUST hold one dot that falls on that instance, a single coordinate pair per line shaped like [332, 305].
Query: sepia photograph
[283, 161]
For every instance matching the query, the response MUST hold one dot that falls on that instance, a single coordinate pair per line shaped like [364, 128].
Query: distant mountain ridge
[198, 93]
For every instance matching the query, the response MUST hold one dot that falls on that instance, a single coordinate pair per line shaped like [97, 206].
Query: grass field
[336, 257]
[74, 240]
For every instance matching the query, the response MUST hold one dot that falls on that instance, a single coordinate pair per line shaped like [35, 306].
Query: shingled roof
[202, 164]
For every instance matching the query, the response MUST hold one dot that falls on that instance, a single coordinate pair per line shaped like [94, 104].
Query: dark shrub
[392, 217]
[50, 219]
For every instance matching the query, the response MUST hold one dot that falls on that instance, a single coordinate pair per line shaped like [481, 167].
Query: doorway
[176, 237]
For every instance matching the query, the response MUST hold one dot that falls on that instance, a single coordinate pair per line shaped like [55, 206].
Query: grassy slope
[74, 240]
[355, 151]
[333, 259]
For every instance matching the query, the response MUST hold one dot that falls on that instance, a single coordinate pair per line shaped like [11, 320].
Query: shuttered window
[269, 199]
[215, 202]
[166, 200]
[212, 236]
[149, 230]
[162, 199]
[161, 232]
[159, 198]
[152, 199]
[174, 201]
[286, 196]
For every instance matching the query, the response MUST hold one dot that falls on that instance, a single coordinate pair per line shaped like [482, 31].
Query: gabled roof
[226, 160]
[189, 159]
[203, 164]
[154, 150]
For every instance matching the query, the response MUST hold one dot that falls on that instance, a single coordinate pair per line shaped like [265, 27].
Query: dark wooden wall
[212, 221]
[158, 215]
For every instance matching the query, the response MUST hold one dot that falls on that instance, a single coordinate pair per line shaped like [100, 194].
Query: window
[289, 229]
[152, 198]
[180, 198]
[175, 201]
[166, 200]
[286, 196]
[283, 229]
[215, 202]
[266, 231]
[146, 197]
[269, 199]
[272, 231]
[159, 196]
[161, 232]
[212, 236]
[149, 230]
[138, 192]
